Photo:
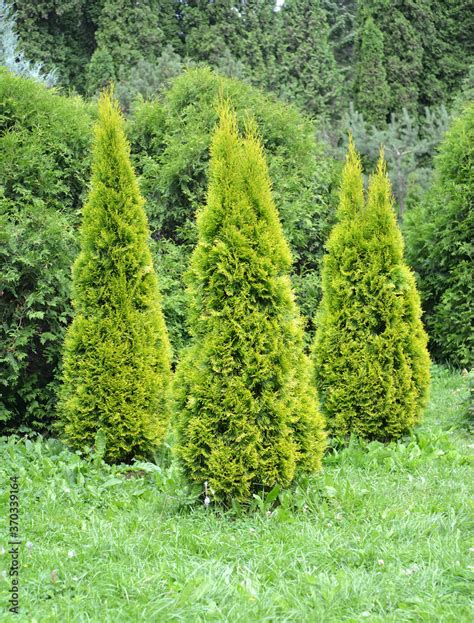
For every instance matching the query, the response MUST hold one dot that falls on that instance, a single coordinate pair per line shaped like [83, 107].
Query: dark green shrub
[371, 362]
[116, 352]
[170, 146]
[440, 243]
[44, 163]
[247, 415]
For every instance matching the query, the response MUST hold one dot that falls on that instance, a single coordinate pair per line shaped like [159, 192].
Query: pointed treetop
[380, 188]
[240, 191]
[109, 109]
[380, 213]
[382, 163]
[111, 162]
[352, 187]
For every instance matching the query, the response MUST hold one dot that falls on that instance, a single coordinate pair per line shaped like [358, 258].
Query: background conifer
[440, 238]
[116, 352]
[371, 90]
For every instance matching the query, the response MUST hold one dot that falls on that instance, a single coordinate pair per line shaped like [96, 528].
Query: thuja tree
[371, 91]
[44, 168]
[116, 352]
[246, 413]
[440, 243]
[170, 145]
[371, 360]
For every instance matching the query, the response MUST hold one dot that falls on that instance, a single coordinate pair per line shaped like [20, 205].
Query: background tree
[309, 75]
[402, 55]
[246, 412]
[260, 43]
[60, 35]
[371, 90]
[341, 18]
[447, 31]
[211, 31]
[116, 352]
[428, 47]
[12, 57]
[129, 33]
[371, 362]
[440, 235]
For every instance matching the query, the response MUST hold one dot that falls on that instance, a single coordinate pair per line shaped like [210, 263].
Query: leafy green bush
[170, 146]
[371, 361]
[247, 415]
[116, 353]
[44, 163]
[440, 243]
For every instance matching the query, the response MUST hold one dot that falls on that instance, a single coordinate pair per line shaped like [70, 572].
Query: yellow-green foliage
[371, 361]
[116, 352]
[246, 413]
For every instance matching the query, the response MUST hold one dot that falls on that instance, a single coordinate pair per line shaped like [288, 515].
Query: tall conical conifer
[116, 352]
[371, 361]
[371, 90]
[246, 412]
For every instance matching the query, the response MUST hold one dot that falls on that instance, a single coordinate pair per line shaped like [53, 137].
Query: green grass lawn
[384, 533]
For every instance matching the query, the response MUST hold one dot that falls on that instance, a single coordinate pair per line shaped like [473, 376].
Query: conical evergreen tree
[116, 352]
[309, 74]
[371, 90]
[246, 413]
[371, 361]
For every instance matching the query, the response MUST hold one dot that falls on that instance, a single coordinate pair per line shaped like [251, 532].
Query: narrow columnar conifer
[116, 352]
[370, 355]
[247, 416]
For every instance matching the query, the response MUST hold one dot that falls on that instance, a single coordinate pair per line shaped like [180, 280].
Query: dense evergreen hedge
[44, 165]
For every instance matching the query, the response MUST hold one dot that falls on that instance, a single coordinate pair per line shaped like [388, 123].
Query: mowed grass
[384, 533]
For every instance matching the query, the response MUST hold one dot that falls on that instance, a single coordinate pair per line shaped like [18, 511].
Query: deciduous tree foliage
[440, 241]
[247, 415]
[371, 361]
[116, 352]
